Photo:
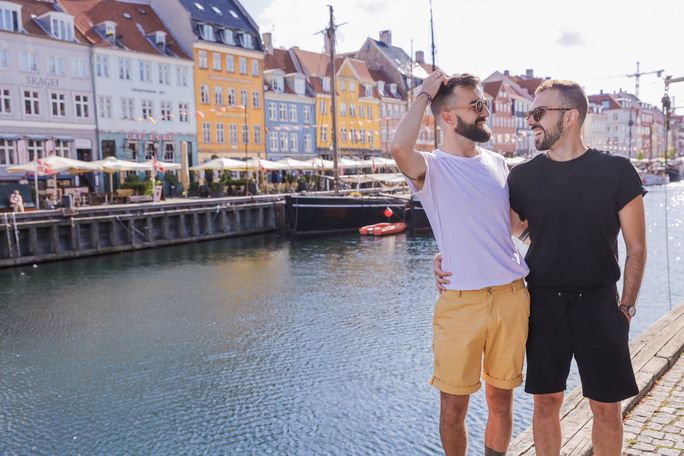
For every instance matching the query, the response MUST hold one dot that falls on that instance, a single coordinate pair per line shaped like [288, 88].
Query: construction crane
[638, 74]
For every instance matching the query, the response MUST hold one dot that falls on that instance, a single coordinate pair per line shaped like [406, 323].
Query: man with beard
[576, 200]
[480, 322]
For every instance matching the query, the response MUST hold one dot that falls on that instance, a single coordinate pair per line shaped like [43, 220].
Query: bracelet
[427, 95]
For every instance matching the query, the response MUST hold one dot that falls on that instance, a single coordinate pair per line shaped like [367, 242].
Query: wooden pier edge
[653, 353]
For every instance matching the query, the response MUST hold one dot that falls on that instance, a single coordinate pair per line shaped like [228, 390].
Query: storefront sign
[150, 136]
[39, 81]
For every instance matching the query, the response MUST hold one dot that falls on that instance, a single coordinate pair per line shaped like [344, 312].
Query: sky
[593, 42]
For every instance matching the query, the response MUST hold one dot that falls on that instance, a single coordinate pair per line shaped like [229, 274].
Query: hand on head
[433, 82]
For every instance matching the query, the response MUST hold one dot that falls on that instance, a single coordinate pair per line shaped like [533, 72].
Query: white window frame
[164, 73]
[127, 108]
[203, 59]
[33, 100]
[216, 61]
[104, 107]
[147, 109]
[256, 99]
[165, 111]
[182, 76]
[294, 142]
[230, 64]
[56, 65]
[273, 141]
[307, 114]
[255, 67]
[204, 94]
[272, 111]
[82, 106]
[58, 100]
[284, 146]
[8, 152]
[206, 132]
[5, 101]
[145, 71]
[242, 63]
[183, 112]
[257, 134]
[233, 134]
[4, 59]
[79, 68]
[28, 62]
[292, 117]
[218, 95]
[61, 148]
[220, 133]
[102, 66]
[124, 69]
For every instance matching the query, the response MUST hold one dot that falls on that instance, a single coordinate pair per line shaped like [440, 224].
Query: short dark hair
[572, 93]
[446, 91]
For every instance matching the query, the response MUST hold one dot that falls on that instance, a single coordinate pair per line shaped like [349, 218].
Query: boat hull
[338, 214]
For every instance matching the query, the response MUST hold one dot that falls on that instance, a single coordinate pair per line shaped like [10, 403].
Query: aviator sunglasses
[538, 113]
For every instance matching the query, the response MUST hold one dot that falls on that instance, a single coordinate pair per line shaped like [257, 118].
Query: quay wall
[34, 237]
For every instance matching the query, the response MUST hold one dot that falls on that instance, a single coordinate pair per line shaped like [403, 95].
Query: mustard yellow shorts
[480, 331]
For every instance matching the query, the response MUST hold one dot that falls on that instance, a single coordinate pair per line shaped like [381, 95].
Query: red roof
[492, 88]
[133, 22]
[279, 60]
[313, 63]
[600, 98]
[38, 8]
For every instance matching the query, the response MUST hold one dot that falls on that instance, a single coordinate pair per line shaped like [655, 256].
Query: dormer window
[108, 28]
[247, 41]
[62, 26]
[393, 89]
[299, 86]
[160, 39]
[278, 84]
[207, 32]
[369, 90]
[9, 16]
[227, 37]
[326, 84]
[381, 87]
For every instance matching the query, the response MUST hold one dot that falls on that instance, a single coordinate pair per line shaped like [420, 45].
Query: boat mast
[434, 68]
[330, 33]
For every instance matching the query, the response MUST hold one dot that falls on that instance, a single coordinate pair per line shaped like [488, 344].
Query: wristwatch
[630, 309]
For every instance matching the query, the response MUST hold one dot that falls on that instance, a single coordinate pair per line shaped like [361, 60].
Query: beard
[551, 137]
[473, 132]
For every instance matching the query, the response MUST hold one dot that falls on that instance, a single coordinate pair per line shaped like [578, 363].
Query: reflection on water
[246, 346]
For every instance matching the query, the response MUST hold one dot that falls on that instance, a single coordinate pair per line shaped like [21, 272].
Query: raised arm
[409, 161]
[633, 225]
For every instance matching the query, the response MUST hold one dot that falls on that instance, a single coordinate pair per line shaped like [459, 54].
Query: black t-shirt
[572, 208]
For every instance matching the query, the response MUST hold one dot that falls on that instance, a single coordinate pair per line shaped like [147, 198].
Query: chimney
[420, 57]
[507, 73]
[386, 37]
[529, 73]
[267, 37]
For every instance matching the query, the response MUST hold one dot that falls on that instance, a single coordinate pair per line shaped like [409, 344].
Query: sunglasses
[538, 113]
[478, 105]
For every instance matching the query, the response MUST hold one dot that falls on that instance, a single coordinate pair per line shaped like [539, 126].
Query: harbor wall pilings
[41, 236]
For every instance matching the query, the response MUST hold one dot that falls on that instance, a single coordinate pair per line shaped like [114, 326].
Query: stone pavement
[656, 425]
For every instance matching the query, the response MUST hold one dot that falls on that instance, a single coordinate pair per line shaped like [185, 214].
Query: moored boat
[382, 229]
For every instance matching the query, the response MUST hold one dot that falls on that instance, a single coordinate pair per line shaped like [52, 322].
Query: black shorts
[588, 325]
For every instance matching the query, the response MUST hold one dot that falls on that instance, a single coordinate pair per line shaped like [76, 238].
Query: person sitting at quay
[16, 202]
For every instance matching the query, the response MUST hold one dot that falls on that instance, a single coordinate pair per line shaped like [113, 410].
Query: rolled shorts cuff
[504, 384]
[456, 390]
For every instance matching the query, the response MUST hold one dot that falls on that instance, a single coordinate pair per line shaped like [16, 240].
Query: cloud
[373, 6]
[570, 39]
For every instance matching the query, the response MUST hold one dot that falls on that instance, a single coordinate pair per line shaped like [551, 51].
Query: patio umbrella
[111, 165]
[291, 163]
[319, 163]
[161, 166]
[221, 164]
[53, 165]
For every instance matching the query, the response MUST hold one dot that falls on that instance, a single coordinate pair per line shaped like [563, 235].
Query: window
[340, 85]
[299, 86]
[277, 84]
[283, 111]
[9, 20]
[308, 144]
[164, 74]
[255, 68]
[5, 101]
[352, 86]
[169, 152]
[283, 142]
[203, 59]
[151, 150]
[324, 134]
[293, 113]
[61, 148]
[370, 113]
[370, 137]
[165, 111]
[207, 32]
[79, 68]
[307, 114]
[127, 108]
[294, 143]
[218, 95]
[31, 103]
[62, 30]
[227, 37]
[81, 105]
[183, 112]
[28, 61]
[104, 107]
[230, 64]
[344, 135]
[257, 134]
[363, 136]
[247, 41]
[233, 134]
[256, 99]
[55, 65]
[58, 104]
[145, 71]
[8, 152]
[326, 84]
[102, 66]
[243, 97]
[220, 134]
[362, 112]
[352, 135]
[146, 109]
[243, 65]
[204, 94]
[231, 97]
[272, 114]
[4, 59]
[343, 109]
[125, 69]
[182, 76]
[352, 109]
[216, 61]
[206, 132]
[369, 90]
[321, 106]
[245, 134]
[36, 149]
[273, 140]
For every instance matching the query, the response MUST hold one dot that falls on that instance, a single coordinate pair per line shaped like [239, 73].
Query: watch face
[631, 311]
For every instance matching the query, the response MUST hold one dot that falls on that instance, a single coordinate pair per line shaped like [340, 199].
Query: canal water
[250, 346]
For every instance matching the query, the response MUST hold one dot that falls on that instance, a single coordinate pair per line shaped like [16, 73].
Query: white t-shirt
[466, 202]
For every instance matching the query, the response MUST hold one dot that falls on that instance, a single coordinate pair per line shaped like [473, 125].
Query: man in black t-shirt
[575, 201]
